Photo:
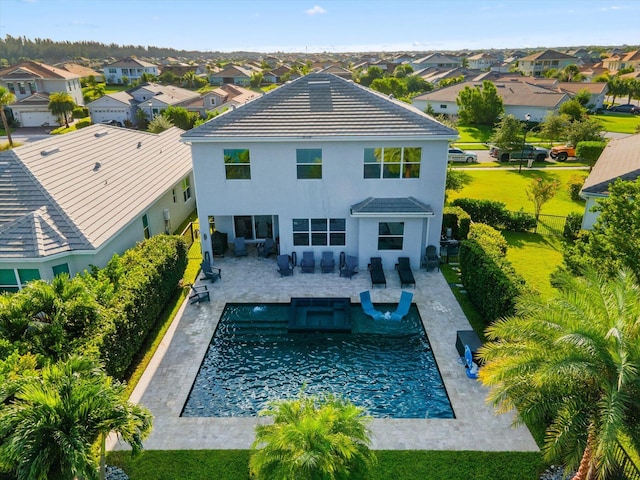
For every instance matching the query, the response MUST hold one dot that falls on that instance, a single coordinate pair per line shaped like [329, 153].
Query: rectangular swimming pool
[385, 366]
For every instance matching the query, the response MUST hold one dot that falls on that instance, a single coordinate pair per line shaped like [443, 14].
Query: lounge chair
[209, 272]
[470, 366]
[266, 248]
[240, 247]
[376, 272]
[199, 294]
[403, 306]
[327, 262]
[404, 271]
[431, 259]
[350, 267]
[285, 267]
[308, 263]
[367, 306]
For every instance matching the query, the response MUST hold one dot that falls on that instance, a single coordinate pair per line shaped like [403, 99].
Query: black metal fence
[189, 234]
[550, 225]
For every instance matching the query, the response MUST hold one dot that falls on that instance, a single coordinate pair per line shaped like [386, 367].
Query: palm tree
[49, 428]
[61, 104]
[322, 438]
[6, 98]
[572, 365]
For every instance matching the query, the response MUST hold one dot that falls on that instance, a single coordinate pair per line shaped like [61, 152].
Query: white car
[457, 155]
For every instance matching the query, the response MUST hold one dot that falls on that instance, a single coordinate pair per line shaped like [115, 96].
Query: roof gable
[31, 69]
[321, 105]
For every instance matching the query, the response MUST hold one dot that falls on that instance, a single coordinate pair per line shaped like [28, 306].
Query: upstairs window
[11, 87]
[309, 163]
[392, 162]
[145, 226]
[237, 164]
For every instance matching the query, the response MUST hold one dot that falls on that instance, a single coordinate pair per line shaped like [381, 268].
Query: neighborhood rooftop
[619, 159]
[76, 191]
[322, 105]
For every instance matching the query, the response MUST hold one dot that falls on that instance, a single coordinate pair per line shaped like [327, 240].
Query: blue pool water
[384, 366]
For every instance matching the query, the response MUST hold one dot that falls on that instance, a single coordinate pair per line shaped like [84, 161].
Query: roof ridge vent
[44, 153]
[101, 133]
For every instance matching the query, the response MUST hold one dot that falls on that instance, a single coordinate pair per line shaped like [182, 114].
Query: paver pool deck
[167, 381]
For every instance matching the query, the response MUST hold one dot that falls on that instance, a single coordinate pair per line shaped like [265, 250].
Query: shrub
[574, 185]
[85, 122]
[490, 280]
[572, 226]
[484, 211]
[520, 221]
[491, 239]
[146, 278]
[457, 220]
[80, 112]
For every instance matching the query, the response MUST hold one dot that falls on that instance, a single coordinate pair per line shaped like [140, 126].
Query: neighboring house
[620, 159]
[338, 71]
[482, 61]
[519, 99]
[119, 106]
[232, 74]
[32, 83]
[438, 60]
[322, 163]
[597, 90]
[623, 60]
[435, 75]
[537, 64]
[151, 98]
[131, 68]
[74, 200]
[84, 72]
[226, 96]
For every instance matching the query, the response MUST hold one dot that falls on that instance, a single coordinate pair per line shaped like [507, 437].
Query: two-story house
[322, 163]
[71, 201]
[130, 68]
[32, 83]
[537, 64]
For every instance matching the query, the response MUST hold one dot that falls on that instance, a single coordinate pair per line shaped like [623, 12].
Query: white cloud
[612, 7]
[316, 10]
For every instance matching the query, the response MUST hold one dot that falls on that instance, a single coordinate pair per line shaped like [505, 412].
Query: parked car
[114, 123]
[626, 108]
[457, 155]
[525, 152]
[561, 153]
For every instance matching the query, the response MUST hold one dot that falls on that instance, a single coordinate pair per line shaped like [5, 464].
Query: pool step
[255, 327]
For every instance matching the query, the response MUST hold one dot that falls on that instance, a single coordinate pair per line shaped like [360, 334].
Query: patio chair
[403, 306]
[327, 262]
[209, 272]
[308, 263]
[266, 248]
[404, 272]
[350, 267]
[431, 259]
[376, 272]
[367, 306]
[285, 267]
[240, 247]
[471, 367]
[199, 294]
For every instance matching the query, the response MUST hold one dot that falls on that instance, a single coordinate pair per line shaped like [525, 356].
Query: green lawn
[479, 134]
[509, 187]
[115, 88]
[619, 122]
[535, 257]
[407, 465]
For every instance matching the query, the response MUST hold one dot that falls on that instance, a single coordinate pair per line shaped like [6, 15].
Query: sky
[327, 25]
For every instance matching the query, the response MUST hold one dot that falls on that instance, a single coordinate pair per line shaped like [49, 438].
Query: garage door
[36, 119]
[106, 115]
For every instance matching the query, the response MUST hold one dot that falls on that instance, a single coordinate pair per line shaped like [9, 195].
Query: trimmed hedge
[495, 214]
[147, 278]
[457, 220]
[491, 282]
[491, 239]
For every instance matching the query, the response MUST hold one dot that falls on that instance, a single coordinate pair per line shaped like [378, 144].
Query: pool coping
[166, 383]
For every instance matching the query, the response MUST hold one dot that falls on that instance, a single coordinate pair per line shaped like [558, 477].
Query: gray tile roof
[405, 206]
[321, 105]
[620, 159]
[78, 190]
